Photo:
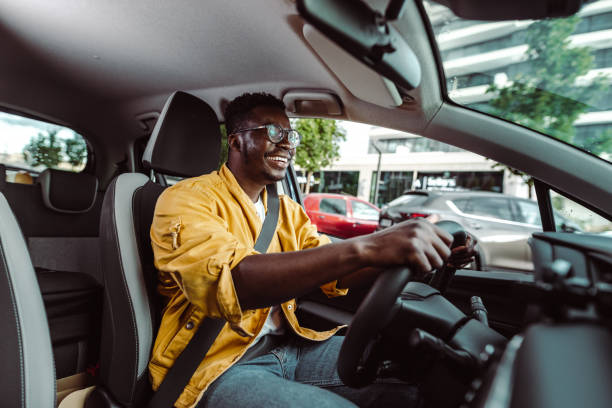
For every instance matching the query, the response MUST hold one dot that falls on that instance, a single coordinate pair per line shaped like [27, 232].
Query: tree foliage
[49, 150]
[44, 149]
[546, 98]
[76, 150]
[319, 147]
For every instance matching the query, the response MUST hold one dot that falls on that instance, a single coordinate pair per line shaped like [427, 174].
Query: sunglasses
[276, 134]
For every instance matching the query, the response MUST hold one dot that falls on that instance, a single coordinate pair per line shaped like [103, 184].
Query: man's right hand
[418, 244]
[269, 279]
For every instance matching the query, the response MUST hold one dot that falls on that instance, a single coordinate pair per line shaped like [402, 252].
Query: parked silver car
[501, 223]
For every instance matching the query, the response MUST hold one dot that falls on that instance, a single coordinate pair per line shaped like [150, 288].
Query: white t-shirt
[274, 323]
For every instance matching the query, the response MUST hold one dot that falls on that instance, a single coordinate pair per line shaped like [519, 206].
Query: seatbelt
[188, 361]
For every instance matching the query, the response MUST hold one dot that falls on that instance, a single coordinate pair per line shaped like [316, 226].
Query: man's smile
[278, 160]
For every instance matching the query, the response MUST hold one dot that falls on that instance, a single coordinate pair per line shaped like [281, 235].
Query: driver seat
[185, 142]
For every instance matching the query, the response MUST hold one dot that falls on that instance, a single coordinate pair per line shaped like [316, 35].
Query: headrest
[2, 176]
[186, 140]
[68, 192]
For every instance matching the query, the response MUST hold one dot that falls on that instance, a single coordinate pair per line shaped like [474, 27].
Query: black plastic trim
[546, 211]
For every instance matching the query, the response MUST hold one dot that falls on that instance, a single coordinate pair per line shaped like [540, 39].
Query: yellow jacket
[202, 228]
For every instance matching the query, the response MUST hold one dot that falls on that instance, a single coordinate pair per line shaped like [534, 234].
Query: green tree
[76, 150]
[546, 98]
[319, 147]
[45, 149]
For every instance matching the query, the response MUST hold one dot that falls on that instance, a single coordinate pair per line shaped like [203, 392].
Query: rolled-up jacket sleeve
[193, 245]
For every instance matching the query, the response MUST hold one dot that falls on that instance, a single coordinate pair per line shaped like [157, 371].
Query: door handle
[321, 216]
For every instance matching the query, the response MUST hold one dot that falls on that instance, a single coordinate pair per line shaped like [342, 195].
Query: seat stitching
[127, 290]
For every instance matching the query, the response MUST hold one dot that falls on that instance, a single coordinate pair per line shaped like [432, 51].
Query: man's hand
[462, 256]
[418, 244]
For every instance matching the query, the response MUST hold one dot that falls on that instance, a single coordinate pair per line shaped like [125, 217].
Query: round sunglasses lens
[294, 138]
[274, 133]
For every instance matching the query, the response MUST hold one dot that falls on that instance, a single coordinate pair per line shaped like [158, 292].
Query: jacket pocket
[178, 342]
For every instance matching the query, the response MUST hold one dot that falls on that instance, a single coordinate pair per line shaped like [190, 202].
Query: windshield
[553, 76]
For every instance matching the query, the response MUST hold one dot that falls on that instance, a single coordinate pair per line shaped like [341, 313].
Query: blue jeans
[301, 373]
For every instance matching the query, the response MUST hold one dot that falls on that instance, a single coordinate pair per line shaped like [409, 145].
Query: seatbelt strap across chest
[188, 361]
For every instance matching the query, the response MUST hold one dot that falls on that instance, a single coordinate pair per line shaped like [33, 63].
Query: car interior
[145, 84]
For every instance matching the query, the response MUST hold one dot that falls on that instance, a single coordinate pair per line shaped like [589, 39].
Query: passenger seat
[28, 377]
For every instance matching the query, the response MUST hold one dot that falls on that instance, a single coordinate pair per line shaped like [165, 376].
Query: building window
[603, 58]
[392, 184]
[342, 182]
[507, 41]
[602, 104]
[411, 145]
[594, 23]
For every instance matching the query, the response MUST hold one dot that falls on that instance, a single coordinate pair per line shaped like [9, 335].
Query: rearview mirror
[366, 35]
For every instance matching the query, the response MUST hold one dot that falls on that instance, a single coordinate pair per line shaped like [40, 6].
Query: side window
[528, 212]
[384, 167]
[333, 206]
[363, 211]
[573, 217]
[491, 207]
[29, 146]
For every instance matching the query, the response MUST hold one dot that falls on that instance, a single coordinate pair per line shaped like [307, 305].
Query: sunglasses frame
[283, 133]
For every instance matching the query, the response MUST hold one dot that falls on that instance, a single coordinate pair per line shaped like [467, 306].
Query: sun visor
[361, 81]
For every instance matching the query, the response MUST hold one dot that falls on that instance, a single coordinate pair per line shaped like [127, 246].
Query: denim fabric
[301, 373]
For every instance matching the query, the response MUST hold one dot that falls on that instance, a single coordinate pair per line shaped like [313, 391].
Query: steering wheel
[376, 310]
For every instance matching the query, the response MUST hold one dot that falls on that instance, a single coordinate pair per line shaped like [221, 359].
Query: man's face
[264, 161]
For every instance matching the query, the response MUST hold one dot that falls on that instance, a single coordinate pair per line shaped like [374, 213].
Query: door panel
[502, 294]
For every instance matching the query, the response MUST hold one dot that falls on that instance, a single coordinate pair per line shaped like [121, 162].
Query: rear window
[29, 146]
[412, 199]
[363, 211]
[333, 206]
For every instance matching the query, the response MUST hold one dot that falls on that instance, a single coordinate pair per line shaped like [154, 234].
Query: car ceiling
[97, 65]
[123, 50]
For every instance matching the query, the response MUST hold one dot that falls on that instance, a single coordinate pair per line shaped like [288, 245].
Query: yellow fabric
[202, 228]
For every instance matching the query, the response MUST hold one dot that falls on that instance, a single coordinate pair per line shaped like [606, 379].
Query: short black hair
[238, 110]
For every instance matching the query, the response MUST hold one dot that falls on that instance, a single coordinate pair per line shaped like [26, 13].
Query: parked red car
[341, 215]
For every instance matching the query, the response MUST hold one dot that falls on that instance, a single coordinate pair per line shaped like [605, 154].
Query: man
[203, 234]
